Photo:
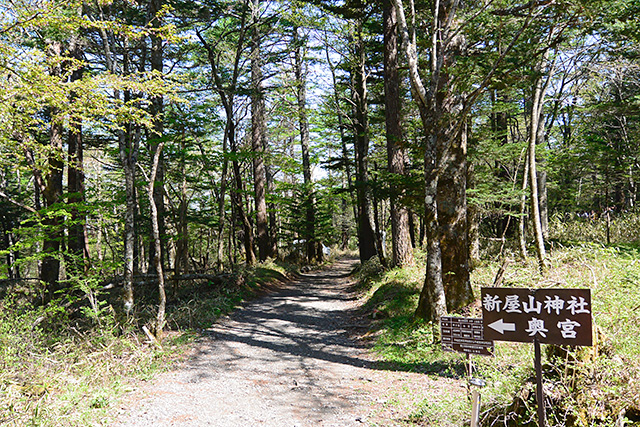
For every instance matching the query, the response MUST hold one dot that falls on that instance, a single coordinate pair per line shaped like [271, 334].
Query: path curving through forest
[285, 359]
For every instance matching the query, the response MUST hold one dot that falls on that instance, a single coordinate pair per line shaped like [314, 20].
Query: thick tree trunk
[452, 218]
[473, 223]
[366, 237]
[432, 303]
[445, 166]
[247, 228]
[402, 252]
[258, 136]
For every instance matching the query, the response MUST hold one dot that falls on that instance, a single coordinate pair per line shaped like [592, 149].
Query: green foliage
[586, 386]
[69, 363]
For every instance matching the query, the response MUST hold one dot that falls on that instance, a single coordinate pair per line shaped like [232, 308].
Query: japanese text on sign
[560, 316]
[465, 335]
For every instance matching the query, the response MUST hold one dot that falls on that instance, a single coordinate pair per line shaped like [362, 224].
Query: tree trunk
[445, 164]
[221, 199]
[157, 110]
[432, 303]
[473, 224]
[258, 135]
[78, 240]
[271, 209]
[52, 193]
[544, 203]
[366, 237]
[536, 109]
[309, 200]
[129, 159]
[522, 229]
[452, 218]
[157, 262]
[247, 228]
[402, 252]
[182, 244]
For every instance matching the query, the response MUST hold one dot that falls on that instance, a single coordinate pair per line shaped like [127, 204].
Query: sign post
[466, 335]
[548, 316]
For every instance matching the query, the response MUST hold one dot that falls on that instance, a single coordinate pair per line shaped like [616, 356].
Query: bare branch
[17, 203]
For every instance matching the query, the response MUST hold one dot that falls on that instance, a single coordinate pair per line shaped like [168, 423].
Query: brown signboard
[465, 335]
[552, 316]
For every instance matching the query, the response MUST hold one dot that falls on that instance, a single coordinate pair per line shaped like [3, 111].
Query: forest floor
[296, 356]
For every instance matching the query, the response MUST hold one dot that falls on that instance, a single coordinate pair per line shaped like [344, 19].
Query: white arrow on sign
[500, 326]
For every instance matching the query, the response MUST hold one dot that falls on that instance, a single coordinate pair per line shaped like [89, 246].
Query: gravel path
[283, 360]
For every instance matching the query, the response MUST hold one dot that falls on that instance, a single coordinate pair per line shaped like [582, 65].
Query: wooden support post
[539, 389]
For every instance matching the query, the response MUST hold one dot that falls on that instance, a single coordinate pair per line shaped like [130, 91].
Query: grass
[586, 386]
[62, 370]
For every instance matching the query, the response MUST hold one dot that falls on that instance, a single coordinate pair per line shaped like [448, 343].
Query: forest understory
[61, 370]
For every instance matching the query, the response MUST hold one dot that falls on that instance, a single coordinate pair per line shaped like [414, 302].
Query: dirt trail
[285, 359]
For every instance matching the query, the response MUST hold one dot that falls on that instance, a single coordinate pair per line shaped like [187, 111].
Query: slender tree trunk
[52, 193]
[78, 240]
[366, 237]
[544, 203]
[128, 147]
[227, 94]
[157, 110]
[129, 159]
[157, 262]
[221, 200]
[402, 252]
[258, 136]
[182, 244]
[522, 221]
[346, 161]
[301, 95]
[271, 210]
[536, 109]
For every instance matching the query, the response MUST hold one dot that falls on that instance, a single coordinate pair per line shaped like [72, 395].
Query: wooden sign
[464, 334]
[551, 316]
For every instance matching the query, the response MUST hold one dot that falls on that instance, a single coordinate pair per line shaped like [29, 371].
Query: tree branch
[17, 203]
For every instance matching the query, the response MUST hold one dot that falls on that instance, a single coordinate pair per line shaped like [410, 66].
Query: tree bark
[258, 136]
[402, 252]
[366, 237]
[157, 262]
[536, 109]
[452, 218]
